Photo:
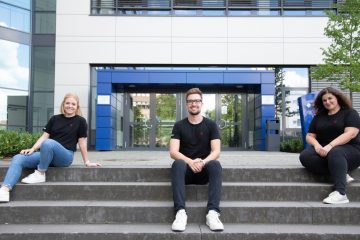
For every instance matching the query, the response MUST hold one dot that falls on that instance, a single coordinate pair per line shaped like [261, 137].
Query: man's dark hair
[193, 91]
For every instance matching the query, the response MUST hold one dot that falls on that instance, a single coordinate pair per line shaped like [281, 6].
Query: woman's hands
[27, 151]
[323, 151]
[90, 164]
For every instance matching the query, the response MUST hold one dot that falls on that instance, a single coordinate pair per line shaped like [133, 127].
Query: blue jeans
[51, 153]
[182, 175]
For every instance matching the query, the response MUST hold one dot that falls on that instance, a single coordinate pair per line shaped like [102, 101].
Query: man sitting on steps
[195, 147]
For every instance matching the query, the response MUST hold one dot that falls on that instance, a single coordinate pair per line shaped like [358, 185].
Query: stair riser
[127, 214]
[178, 236]
[164, 193]
[80, 174]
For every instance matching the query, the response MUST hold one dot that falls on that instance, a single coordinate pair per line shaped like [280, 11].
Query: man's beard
[194, 113]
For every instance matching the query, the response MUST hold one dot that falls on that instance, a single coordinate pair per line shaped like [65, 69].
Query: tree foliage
[342, 57]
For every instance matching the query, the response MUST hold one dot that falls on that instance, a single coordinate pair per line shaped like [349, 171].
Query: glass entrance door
[150, 119]
[226, 110]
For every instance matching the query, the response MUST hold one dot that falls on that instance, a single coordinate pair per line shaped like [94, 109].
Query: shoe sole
[342, 202]
[32, 182]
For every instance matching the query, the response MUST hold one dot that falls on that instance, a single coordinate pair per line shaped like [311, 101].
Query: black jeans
[183, 175]
[339, 161]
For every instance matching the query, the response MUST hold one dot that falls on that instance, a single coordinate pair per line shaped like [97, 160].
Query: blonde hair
[74, 96]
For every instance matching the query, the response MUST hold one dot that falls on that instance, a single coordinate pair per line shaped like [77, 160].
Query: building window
[14, 84]
[15, 15]
[212, 7]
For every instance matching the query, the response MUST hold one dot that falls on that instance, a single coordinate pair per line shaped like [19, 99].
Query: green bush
[12, 142]
[292, 145]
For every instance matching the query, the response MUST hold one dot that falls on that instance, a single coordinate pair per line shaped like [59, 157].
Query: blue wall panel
[104, 88]
[167, 77]
[268, 89]
[268, 78]
[242, 77]
[104, 76]
[103, 110]
[205, 77]
[130, 77]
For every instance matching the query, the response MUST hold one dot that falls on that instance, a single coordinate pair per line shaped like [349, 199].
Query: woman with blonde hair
[334, 142]
[54, 148]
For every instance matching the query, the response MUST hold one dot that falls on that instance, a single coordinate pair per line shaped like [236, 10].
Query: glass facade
[15, 15]
[43, 63]
[14, 84]
[43, 72]
[295, 83]
[45, 17]
[213, 7]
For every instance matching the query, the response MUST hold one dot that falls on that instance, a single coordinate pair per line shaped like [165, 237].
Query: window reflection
[295, 83]
[14, 81]
[14, 17]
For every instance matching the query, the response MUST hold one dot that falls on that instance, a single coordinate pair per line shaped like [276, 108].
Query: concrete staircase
[136, 203]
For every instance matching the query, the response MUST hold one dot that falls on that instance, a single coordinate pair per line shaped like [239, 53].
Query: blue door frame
[264, 81]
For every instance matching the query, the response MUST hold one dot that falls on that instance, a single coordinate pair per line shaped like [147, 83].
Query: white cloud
[12, 74]
[294, 79]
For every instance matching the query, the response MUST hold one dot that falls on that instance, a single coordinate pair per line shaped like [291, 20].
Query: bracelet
[331, 145]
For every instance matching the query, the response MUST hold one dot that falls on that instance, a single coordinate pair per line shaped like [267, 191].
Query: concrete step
[78, 173]
[160, 191]
[120, 212]
[163, 232]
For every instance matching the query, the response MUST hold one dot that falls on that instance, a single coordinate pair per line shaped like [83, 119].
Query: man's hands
[196, 165]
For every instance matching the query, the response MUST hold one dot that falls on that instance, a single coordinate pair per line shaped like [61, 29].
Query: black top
[66, 130]
[195, 138]
[328, 127]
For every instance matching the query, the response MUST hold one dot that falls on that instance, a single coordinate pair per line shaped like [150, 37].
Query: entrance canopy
[259, 83]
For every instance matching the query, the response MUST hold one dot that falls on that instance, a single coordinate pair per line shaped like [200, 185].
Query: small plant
[292, 145]
[12, 142]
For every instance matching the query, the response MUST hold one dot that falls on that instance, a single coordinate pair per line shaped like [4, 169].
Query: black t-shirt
[66, 130]
[328, 127]
[195, 138]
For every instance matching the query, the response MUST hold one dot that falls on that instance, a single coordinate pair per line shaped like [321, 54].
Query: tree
[281, 104]
[342, 57]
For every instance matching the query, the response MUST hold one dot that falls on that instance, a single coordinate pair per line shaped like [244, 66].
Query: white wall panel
[85, 52]
[199, 52]
[302, 53]
[83, 25]
[143, 26]
[73, 7]
[199, 27]
[305, 27]
[143, 52]
[262, 27]
[72, 74]
[256, 53]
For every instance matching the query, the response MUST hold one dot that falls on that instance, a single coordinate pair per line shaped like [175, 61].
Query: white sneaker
[349, 179]
[4, 196]
[179, 224]
[336, 198]
[213, 221]
[35, 177]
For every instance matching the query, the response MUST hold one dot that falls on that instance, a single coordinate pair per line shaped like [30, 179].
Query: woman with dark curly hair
[334, 142]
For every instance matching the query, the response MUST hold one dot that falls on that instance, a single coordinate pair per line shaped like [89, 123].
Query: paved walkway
[162, 158]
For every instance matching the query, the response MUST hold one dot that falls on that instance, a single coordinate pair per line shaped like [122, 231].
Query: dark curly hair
[342, 99]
